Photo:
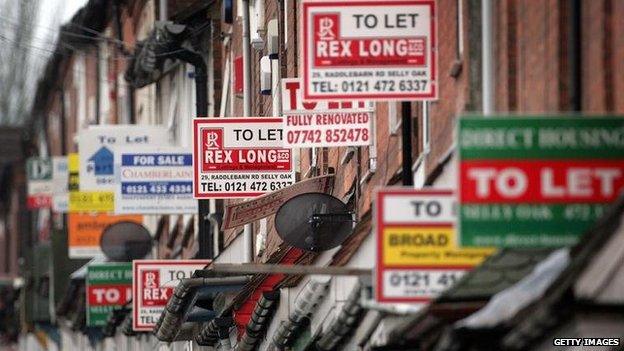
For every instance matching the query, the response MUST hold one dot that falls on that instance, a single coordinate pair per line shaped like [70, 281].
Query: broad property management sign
[375, 50]
[155, 182]
[109, 285]
[536, 181]
[418, 257]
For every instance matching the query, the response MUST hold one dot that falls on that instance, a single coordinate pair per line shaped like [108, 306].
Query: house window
[394, 119]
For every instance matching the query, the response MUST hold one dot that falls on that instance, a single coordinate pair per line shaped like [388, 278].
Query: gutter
[181, 307]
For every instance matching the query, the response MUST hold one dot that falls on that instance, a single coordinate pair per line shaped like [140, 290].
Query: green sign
[536, 181]
[109, 285]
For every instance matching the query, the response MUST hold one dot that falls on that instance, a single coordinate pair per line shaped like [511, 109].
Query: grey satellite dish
[125, 241]
[314, 222]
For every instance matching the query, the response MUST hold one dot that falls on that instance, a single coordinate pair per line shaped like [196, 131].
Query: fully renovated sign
[98, 145]
[155, 182]
[240, 157]
[153, 283]
[418, 256]
[109, 286]
[536, 181]
[374, 50]
[324, 124]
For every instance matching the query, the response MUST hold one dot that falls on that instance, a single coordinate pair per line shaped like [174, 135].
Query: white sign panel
[240, 157]
[417, 252]
[155, 182]
[153, 283]
[60, 177]
[97, 147]
[377, 50]
[326, 124]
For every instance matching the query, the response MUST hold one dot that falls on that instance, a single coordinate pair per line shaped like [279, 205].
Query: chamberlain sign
[376, 50]
[155, 182]
[536, 181]
[153, 283]
[240, 157]
[417, 252]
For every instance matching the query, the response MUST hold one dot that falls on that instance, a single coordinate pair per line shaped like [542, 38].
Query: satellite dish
[314, 222]
[125, 241]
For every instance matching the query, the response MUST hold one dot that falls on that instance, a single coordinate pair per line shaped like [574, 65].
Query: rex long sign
[536, 181]
[368, 49]
[153, 283]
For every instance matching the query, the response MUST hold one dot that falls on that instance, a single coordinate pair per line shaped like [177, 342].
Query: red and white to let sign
[153, 282]
[369, 49]
[239, 157]
[324, 124]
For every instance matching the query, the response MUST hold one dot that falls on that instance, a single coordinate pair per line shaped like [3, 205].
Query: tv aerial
[314, 222]
[125, 241]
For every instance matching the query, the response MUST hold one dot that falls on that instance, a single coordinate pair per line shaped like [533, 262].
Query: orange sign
[85, 231]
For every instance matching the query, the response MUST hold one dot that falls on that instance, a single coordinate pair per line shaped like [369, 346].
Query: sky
[52, 14]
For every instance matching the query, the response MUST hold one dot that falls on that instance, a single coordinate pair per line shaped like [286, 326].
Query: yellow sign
[428, 246]
[91, 201]
[86, 201]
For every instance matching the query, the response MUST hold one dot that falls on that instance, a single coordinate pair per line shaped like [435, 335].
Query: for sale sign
[240, 157]
[153, 284]
[155, 182]
[418, 256]
[366, 49]
[109, 286]
[536, 181]
[323, 124]
[39, 172]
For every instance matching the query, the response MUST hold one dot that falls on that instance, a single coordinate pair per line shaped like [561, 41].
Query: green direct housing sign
[109, 285]
[536, 181]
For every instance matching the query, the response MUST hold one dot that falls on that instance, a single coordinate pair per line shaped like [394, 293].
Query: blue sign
[102, 162]
[155, 182]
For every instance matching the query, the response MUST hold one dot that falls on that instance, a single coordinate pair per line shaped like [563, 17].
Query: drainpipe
[201, 107]
[162, 10]
[574, 56]
[487, 53]
[248, 229]
[406, 137]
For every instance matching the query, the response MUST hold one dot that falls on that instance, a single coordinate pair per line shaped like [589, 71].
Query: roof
[573, 293]
[500, 271]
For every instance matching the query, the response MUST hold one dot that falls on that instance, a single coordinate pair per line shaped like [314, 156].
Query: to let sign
[240, 157]
[153, 282]
[376, 50]
[109, 285]
[537, 181]
[323, 124]
[39, 172]
[417, 252]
